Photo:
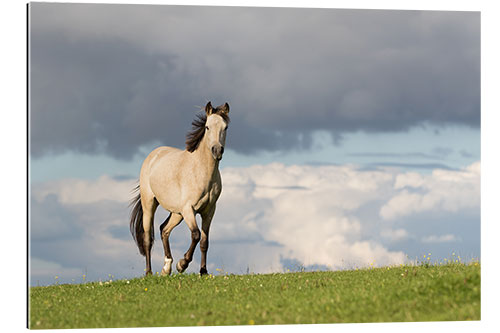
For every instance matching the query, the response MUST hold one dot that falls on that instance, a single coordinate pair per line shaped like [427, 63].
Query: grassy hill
[403, 293]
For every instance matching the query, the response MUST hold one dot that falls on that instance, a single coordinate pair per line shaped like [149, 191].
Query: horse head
[215, 129]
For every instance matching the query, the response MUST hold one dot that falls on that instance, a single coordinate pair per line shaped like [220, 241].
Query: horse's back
[153, 157]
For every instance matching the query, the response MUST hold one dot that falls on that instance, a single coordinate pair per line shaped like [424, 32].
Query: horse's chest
[208, 197]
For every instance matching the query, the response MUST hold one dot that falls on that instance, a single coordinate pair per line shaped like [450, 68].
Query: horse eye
[206, 127]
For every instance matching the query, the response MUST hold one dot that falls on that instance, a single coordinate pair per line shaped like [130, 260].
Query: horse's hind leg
[149, 208]
[165, 228]
[188, 215]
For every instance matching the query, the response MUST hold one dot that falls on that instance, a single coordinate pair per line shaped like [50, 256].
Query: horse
[185, 183]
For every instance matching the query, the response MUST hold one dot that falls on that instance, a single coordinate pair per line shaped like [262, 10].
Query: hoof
[167, 268]
[203, 271]
[149, 273]
[181, 265]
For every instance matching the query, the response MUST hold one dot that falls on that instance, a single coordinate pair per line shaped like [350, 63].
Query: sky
[354, 138]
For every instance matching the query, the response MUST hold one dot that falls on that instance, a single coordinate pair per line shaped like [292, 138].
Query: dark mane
[194, 137]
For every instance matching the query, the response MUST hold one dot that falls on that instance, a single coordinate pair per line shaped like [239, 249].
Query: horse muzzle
[217, 152]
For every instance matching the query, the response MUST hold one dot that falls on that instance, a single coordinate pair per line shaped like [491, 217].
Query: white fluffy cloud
[440, 239]
[394, 235]
[443, 190]
[310, 210]
[48, 270]
[80, 191]
[333, 216]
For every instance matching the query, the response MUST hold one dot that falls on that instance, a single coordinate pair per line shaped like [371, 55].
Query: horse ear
[209, 109]
[225, 108]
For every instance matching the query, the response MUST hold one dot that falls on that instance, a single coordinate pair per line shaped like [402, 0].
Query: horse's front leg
[205, 227]
[165, 228]
[188, 215]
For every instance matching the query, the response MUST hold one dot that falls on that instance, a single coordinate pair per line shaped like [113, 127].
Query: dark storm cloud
[102, 95]
[111, 78]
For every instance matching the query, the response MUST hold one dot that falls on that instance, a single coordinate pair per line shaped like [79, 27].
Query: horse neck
[204, 159]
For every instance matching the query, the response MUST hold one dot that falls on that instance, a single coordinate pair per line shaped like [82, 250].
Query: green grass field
[403, 293]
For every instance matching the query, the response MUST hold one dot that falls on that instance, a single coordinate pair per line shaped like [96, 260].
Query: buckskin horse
[185, 183]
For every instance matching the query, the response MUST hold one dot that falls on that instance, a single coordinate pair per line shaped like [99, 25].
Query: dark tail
[136, 227]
